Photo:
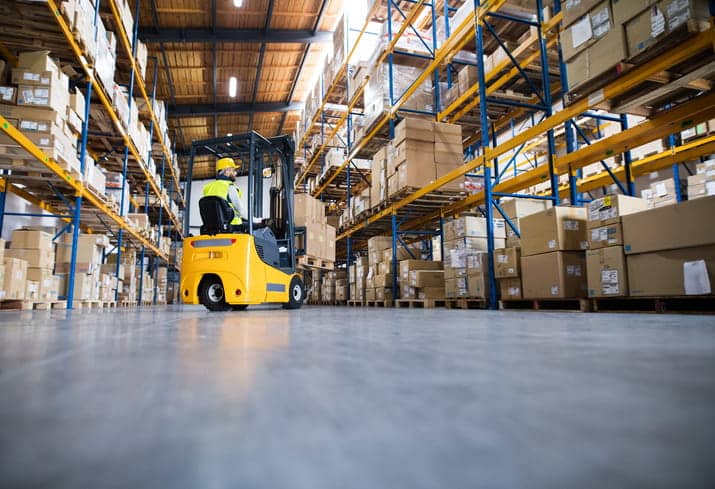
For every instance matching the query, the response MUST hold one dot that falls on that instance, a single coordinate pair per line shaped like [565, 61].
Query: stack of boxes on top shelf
[670, 250]
[553, 257]
[597, 35]
[605, 259]
[702, 184]
[39, 103]
[319, 240]
[465, 259]
[507, 261]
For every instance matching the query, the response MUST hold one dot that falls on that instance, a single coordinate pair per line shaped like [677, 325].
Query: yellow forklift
[228, 267]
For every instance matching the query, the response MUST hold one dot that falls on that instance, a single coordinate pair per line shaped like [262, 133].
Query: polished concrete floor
[350, 398]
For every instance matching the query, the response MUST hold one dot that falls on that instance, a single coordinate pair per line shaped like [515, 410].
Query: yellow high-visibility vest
[219, 188]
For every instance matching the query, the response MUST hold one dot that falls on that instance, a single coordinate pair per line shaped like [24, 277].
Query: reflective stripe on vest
[219, 188]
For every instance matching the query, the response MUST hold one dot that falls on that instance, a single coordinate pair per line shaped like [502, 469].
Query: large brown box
[610, 208]
[625, 10]
[686, 271]
[2, 251]
[555, 229]
[34, 258]
[506, 262]
[587, 30]
[609, 235]
[426, 278]
[575, 10]
[15, 277]
[455, 287]
[510, 288]
[406, 266]
[31, 240]
[606, 271]
[477, 284]
[382, 280]
[431, 292]
[415, 129]
[518, 208]
[675, 226]
[370, 294]
[599, 58]
[556, 275]
[655, 23]
[375, 246]
[2, 281]
[383, 294]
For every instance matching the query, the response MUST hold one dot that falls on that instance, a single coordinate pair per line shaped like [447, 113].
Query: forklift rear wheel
[239, 307]
[212, 295]
[295, 294]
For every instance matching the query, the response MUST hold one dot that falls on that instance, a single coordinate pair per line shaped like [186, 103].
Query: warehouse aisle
[335, 397]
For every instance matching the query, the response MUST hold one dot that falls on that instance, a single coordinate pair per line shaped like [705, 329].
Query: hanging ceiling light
[232, 86]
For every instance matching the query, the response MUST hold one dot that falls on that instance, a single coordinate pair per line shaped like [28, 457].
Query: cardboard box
[625, 10]
[584, 32]
[431, 292]
[2, 281]
[555, 275]
[518, 208]
[507, 262]
[575, 9]
[670, 227]
[599, 58]
[414, 175]
[426, 278]
[606, 272]
[370, 294]
[31, 240]
[477, 284]
[455, 287]
[34, 258]
[15, 277]
[415, 129]
[699, 191]
[452, 273]
[406, 266]
[472, 226]
[384, 294]
[8, 95]
[382, 280]
[2, 251]
[659, 20]
[32, 291]
[555, 229]
[510, 289]
[89, 253]
[609, 235]
[609, 209]
[678, 272]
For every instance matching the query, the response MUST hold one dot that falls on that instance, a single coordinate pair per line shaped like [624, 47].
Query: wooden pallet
[127, 303]
[24, 305]
[660, 305]
[420, 303]
[315, 263]
[380, 303]
[356, 303]
[581, 305]
[465, 303]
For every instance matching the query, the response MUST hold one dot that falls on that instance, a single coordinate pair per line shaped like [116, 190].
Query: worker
[225, 188]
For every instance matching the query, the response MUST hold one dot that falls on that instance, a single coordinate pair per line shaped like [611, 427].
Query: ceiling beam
[234, 35]
[195, 110]
[261, 55]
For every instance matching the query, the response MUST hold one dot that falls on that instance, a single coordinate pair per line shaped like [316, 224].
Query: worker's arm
[236, 202]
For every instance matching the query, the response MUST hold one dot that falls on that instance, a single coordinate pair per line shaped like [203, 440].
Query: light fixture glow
[238, 3]
[229, 134]
[232, 86]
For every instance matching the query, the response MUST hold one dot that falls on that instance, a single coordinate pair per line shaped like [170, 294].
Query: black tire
[212, 295]
[296, 294]
[239, 307]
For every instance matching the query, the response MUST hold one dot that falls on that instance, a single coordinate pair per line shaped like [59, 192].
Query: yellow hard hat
[224, 163]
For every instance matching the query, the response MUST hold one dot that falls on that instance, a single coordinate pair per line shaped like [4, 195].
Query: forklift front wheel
[295, 294]
[212, 294]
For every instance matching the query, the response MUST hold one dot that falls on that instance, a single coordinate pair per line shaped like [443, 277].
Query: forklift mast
[261, 158]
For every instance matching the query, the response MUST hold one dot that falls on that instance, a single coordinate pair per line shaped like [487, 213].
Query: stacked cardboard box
[702, 184]
[516, 209]
[470, 232]
[507, 270]
[424, 151]
[553, 261]
[320, 236]
[663, 192]
[327, 288]
[421, 279]
[670, 251]
[88, 274]
[38, 250]
[465, 273]
[13, 275]
[44, 112]
[605, 259]
[358, 278]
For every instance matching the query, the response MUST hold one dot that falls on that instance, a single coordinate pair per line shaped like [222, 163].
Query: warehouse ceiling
[272, 47]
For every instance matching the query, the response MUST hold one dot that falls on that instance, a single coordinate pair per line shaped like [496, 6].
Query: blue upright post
[441, 237]
[627, 160]
[3, 196]
[484, 123]
[348, 262]
[395, 290]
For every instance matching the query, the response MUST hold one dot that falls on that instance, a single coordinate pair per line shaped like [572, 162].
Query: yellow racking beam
[139, 80]
[76, 185]
[627, 81]
[99, 90]
[356, 96]
[11, 58]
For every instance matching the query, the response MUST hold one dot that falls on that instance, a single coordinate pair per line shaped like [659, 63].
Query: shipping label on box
[609, 235]
[606, 271]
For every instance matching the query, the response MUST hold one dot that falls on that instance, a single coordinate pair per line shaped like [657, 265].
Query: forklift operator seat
[216, 215]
